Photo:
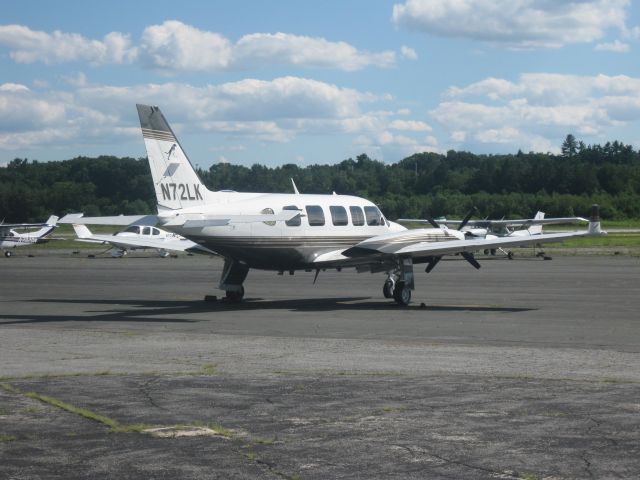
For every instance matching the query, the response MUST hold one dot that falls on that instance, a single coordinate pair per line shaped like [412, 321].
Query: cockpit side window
[295, 221]
[339, 215]
[146, 231]
[315, 215]
[155, 231]
[132, 229]
[357, 217]
[374, 217]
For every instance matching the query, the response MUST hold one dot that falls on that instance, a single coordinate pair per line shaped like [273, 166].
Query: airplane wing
[79, 218]
[51, 222]
[186, 221]
[198, 221]
[409, 244]
[501, 223]
[184, 245]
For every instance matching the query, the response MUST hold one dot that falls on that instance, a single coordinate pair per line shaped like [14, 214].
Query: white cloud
[30, 46]
[408, 53]
[515, 23]
[271, 111]
[174, 46]
[282, 48]
[616, 46]
[538, 109]
[410, 125]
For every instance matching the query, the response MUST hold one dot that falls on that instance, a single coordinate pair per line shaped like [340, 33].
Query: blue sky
[277, 82]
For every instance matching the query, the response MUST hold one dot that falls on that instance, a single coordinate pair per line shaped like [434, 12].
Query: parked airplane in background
[288, 232]
[10, 238]
[489, 229]
[498, 228]
[141, 237]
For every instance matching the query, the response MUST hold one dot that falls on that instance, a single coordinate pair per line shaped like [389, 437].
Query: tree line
[450, 184]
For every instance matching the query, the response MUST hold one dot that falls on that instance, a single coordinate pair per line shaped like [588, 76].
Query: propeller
[467, 218]
[468, 256]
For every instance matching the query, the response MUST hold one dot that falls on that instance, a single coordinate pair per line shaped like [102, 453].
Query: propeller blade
[467, 218]
[468, 256]
[432, 222]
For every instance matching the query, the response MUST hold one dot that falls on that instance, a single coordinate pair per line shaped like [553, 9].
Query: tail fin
[536, 229]
[175, 181]
[46, 229]
[82, 231]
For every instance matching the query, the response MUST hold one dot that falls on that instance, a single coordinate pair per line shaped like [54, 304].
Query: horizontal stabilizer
[221, 220]
[109, 220]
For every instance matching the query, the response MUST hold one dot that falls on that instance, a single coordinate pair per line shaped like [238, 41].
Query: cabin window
[132, 229]
[357, 217]
[155, 231]
[268, 211]
[339, 215]
[295, 221]
[315, 215]
[146, 231]
[374, 217]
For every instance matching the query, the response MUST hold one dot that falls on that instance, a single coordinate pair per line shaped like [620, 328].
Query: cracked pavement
[528, 369]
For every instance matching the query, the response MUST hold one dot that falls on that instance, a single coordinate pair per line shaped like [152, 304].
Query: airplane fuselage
[326, 223]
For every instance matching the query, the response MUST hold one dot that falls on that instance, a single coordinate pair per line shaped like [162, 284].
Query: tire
[402, 294]
[235, 296]
[7, 254]
[387, 289]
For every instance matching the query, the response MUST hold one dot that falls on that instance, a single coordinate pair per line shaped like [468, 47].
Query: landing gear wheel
[7, 254]
[235, 296]
[510, 255]
[387, 289]
[402, 294]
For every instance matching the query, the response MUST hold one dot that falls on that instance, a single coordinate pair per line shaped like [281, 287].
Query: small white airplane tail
[536, 229]
[82, 231]
[46, 229]
[175, 181]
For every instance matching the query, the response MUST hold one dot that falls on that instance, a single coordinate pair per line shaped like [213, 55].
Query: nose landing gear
[399, 283]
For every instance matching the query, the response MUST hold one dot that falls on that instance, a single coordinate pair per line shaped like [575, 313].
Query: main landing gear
[233, 275]
[399, 283]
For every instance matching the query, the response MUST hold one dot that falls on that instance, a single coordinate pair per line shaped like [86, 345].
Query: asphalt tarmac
[524, 369]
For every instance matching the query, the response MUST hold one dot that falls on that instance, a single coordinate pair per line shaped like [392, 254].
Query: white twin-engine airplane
[10, 238]
[288, 232]
[138, 237]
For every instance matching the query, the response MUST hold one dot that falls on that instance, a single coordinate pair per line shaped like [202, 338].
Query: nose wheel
[399, 282]
[402, 294]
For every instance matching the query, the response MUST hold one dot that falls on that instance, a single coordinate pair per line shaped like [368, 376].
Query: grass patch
[216, 427]
[83, 412]
[114, 425]
[6, 438]
[610, 241]
[208, 369]
[7, 387]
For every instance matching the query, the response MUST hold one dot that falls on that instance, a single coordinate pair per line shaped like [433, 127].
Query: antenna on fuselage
[295, 189]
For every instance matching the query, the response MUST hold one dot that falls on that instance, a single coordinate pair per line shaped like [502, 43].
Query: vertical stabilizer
[174, 179]
[46, 229]
[536, 229]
